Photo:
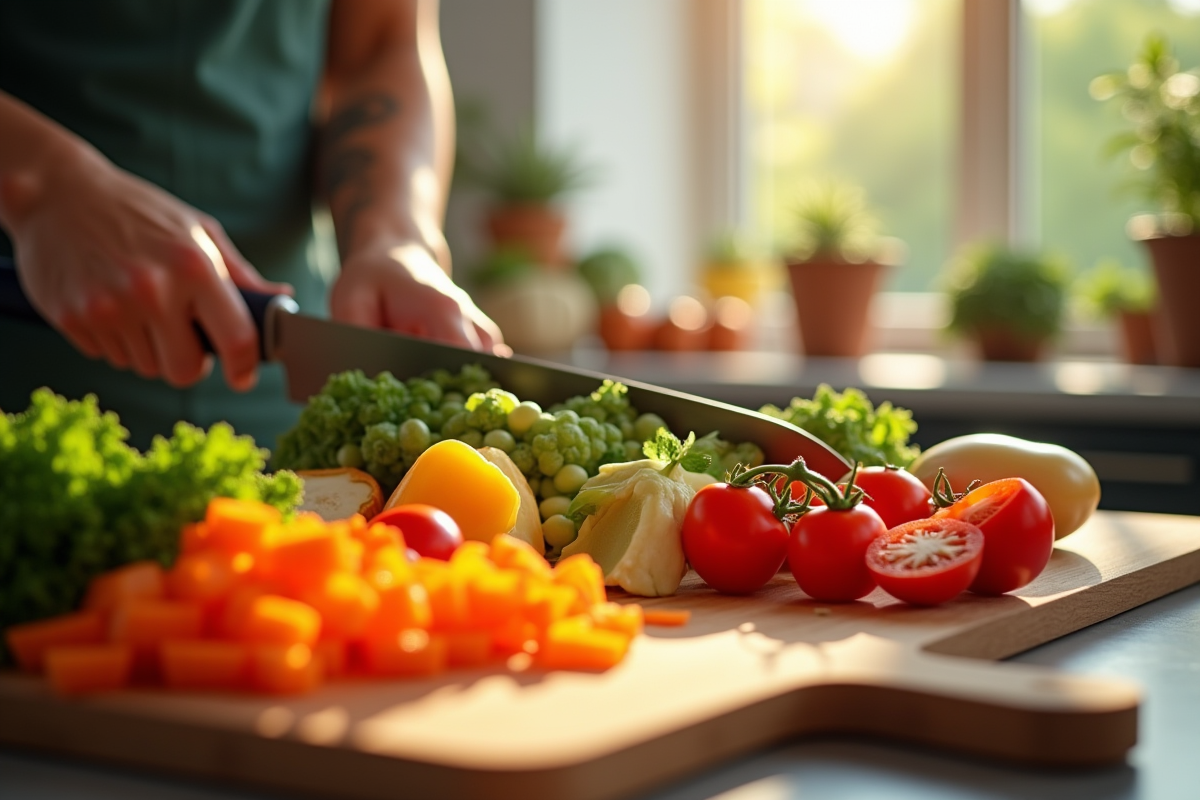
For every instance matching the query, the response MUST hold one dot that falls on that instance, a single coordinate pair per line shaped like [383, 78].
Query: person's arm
[119, 266]
[386, 154]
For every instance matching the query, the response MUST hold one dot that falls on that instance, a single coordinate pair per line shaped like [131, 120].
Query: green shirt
[211, 100]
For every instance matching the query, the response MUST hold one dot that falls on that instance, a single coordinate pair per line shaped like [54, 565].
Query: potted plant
[835, 269]
[1127, 295]
[1163, 105]
[734, 267]
[525, 176]
[1011, 303]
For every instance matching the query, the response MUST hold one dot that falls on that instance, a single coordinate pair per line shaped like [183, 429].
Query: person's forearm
[30, 145]
[387, 147]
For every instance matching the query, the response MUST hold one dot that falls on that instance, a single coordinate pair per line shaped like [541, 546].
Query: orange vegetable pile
[255, 603]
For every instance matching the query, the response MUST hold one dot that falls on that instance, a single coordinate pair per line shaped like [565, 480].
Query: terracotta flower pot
[1137, 337]
[1177, 270]
[833, 301]
[537, 229]
[1001, 344]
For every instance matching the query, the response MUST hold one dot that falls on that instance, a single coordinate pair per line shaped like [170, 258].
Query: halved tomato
[1018, 533]
[927, 561]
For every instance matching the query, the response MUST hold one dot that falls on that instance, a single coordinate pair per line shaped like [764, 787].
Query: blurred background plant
[1162, 105]
[1110, 288]
[833, 222]
[1003, 296]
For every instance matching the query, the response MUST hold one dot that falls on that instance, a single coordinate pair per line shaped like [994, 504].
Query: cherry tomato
[430, 531]
[1018, 533]
[827, 552]
[897, 494]
[927, 561]
[732, 538]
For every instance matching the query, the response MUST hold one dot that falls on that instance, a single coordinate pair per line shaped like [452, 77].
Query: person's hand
[403, 288]
[124, 269]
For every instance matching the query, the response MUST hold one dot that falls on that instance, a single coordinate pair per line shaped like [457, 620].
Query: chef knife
[311, 349]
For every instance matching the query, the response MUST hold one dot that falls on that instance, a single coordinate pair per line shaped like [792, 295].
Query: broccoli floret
[522, 456]
[488, 411]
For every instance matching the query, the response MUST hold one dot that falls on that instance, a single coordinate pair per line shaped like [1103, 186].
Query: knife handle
[262, 307]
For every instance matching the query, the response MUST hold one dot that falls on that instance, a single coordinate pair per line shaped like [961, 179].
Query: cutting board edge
[1008, 635]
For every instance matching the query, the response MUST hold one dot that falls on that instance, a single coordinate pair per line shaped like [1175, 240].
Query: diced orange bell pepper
[285, 668]
[29, 641]
[239, 525]
[575, 643]
[378, 535]
[626, 619]
[345, 602]
[278, 620]
[205, 664]
[509, 552]
[77, 669]
[409, 653]
[140, 580]
[401, 606]
[585, 575]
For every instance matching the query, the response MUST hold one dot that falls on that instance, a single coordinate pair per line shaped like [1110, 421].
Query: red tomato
[827, 552]
[732, 538]
[897, 494]
[430, 531]
[927, 561]
[1018, 533]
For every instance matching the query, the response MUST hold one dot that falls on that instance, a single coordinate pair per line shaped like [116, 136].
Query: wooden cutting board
[744, 673]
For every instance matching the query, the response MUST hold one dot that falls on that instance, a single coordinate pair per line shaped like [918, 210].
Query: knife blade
[311, 349]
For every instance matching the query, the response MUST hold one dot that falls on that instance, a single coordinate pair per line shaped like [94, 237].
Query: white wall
[613, 77]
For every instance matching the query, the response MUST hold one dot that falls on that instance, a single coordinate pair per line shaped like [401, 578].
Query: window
[856, 91]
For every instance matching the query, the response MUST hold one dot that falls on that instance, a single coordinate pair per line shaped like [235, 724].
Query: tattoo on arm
[345, 173]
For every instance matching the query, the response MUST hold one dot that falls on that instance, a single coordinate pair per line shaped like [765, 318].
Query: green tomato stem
[814, 483]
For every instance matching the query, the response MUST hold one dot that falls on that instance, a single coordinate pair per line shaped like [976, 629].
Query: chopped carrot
[509, 552]
[546, 603]
[141, 579]
[575, 643]
[400, 607]
[376, 536]
[447, 599]
[494, 596]
[206, 576]
[345, 602]
[335, 659]
[585, 575]
[666, 617]
[409, 652]
[205, 664]
[306, 554]
[627, 619]
[388, 566]
[468, 648]
[239, 525]
[278, 620]
[285, 668]
[193, 537]
[515, 635]
[147, 623]
[29, 641]
[77, 669]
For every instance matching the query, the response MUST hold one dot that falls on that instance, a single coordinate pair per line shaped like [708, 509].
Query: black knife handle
[14, 303]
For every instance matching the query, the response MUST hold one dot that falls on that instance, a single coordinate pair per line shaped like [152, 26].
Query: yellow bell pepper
[455, 477]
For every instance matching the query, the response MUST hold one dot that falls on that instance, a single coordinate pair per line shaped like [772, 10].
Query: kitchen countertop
[1069, 389]
[1157, 645]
